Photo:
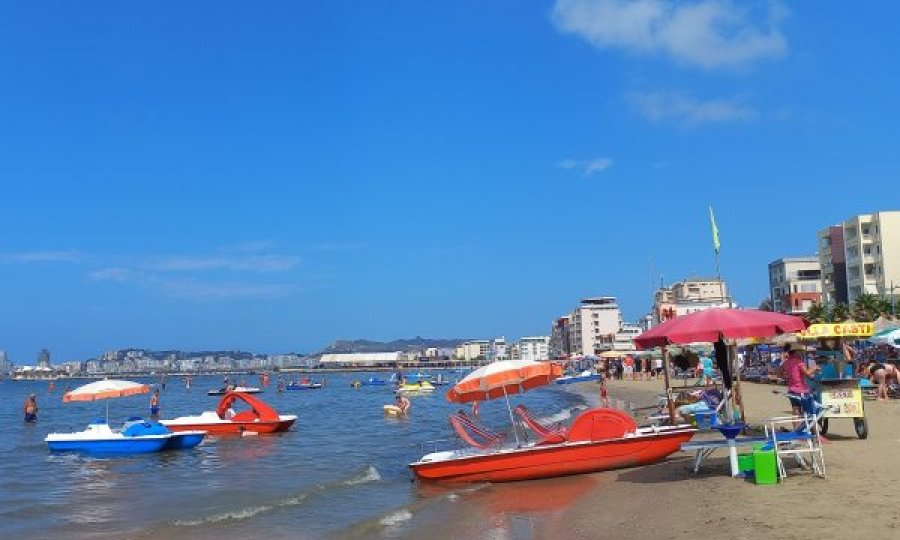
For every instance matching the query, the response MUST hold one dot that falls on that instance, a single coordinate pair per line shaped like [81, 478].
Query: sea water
[344, 463]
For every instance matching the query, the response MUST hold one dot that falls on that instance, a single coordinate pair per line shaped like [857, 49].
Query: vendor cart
[840, 395]
[843, 398]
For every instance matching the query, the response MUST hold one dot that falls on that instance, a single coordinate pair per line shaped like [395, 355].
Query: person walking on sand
[154, 404]
[30, 408]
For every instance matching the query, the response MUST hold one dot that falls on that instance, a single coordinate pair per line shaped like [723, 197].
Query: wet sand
[859, 499]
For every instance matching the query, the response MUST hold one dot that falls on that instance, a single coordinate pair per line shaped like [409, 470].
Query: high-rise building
[559, 337]
[861, 256]
[43, 358]
[833, 265]
[795, 284]
[594, 324]
[5, 364]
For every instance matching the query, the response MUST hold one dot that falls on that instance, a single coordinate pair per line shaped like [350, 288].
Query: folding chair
[799, 440]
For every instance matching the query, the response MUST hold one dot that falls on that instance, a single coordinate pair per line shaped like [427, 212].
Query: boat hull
[553, 460]
[234, 428]
[119, 446]
[313, 386]
[185, 440]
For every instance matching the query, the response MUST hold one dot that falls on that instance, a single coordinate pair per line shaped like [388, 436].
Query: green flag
[715, 230]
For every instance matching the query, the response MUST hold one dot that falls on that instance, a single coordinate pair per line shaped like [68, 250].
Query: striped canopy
[503, 378]
[109, 388]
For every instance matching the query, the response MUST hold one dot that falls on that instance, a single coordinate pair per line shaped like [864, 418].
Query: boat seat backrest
[548, 434]
[473, 434]
[599, 424]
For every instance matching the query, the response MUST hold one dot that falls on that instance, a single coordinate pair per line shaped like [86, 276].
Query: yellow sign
[842, 398]
[833, 330]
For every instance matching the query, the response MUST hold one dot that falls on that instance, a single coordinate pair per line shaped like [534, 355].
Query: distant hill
[404, 345]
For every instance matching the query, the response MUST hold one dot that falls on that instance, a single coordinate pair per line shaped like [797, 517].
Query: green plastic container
[765, 469]
[745, 462]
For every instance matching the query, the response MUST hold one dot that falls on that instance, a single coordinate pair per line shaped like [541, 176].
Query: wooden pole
[665, 353]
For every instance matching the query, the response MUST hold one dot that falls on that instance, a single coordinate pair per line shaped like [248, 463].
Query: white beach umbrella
[105, 389]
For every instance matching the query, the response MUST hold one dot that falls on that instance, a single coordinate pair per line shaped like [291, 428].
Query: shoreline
[668, 501]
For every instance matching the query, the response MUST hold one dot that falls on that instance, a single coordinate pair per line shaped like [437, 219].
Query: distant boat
[584, 376]
[305, 384]
[243, 389]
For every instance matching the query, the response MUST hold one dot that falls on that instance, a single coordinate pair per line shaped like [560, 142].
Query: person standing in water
[30, 409]
[154, 404]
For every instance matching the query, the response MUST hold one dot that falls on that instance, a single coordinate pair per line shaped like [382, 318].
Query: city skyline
[276, 179]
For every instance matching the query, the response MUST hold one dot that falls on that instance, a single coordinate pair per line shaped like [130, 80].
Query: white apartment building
[872, 253]
[534, 348]
[499, 349]
[478, 349]
[624, 338]
[594, 324]
[795, 284]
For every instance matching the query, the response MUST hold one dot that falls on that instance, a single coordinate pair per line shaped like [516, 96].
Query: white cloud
[587, 166]
[251, 263]
[40, 257]
[116, 273]
[689, 111]
[706, 33]
[198, 290]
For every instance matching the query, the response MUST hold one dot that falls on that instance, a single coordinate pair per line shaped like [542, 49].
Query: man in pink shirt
[795, 372]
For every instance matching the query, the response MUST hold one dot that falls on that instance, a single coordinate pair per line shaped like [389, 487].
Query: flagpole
[716, 245]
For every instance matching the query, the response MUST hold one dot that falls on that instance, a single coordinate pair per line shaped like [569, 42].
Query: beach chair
[474, 434]
[798, 436]
[547, 434]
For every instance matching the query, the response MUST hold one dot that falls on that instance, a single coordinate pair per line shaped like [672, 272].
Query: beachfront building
[624, 338]
[833, 265]
[361, 360]
[499, 349]
[795, 284]
[534, 348]
[473, 351]
[590, 329]
[559, 337]
[872, 254]
[689, 296]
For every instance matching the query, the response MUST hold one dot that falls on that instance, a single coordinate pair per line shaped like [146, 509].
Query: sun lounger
[705, 448]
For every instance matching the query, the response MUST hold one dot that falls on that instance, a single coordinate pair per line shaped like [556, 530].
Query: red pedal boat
[598, 440]
[259, 418]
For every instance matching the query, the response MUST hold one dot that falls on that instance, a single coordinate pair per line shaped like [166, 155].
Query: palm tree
[839, 313]
[817, 314]
[868, 307]
[766, 305]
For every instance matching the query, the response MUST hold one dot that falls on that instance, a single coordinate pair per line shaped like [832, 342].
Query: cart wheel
[823, 426]
[862, 427]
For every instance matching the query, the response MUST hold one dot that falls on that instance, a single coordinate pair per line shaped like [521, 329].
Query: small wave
[395, 518]
[371, 474]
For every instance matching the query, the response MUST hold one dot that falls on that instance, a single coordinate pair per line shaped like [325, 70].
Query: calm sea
[343, 464]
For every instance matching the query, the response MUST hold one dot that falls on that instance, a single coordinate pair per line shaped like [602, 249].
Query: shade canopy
[503, 378]
[105, 389]
[711, 324]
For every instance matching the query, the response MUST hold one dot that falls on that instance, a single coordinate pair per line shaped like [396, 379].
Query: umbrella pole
[511, 420]
[665, 353]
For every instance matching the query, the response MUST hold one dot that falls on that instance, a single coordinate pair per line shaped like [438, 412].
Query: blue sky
[276, 176]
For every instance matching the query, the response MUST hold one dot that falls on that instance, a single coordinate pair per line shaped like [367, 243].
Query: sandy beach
[667, 500]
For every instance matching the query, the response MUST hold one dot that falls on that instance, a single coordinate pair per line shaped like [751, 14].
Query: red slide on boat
[259, 418]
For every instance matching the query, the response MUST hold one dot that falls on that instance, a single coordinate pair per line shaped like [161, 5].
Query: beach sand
[859, 498]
